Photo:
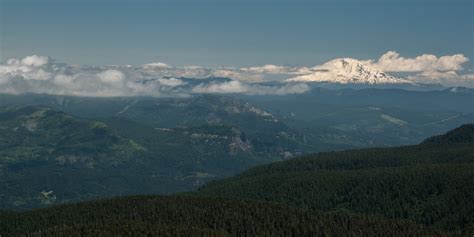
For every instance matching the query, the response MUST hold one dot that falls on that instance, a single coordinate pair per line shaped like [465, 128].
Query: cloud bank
[254, 89]
[39, 74]
[427, 68]
[392, 62]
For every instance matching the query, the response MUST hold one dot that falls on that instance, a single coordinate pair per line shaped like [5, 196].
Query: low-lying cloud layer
[39, 74]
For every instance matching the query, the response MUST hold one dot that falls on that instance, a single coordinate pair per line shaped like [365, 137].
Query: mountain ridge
[461, 135]
[348, 71]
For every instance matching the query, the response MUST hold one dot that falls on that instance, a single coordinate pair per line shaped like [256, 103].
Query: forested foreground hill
[421, 190]
[196, 216]
[431, 183]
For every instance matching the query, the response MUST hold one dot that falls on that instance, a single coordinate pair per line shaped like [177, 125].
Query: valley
[82, 148]
[420, 190]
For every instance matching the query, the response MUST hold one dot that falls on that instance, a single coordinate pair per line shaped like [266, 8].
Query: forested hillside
[57, 149]
[431, 183]
[196, 216]
[50, 157]
[422, 190]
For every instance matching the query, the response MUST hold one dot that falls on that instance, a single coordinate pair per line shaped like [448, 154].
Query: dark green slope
[49, 157]
[421, 190]
[195, 216]
[430, 184]
[461, 135]
[40, 134]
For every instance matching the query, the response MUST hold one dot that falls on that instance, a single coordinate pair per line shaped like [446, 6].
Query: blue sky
[233, 33]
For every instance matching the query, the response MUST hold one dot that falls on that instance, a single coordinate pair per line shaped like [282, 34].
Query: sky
[144, 47]
[233, 32]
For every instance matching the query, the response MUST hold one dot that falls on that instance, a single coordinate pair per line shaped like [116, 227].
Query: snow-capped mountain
[348, 71]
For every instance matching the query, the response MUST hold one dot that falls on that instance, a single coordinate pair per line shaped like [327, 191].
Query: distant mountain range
[86, 148]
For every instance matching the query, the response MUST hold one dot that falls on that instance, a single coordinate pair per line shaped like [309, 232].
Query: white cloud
[447, 78]
[225, 87]
[251, 89]
[268, 69]
[112, 77]
[35, 61]
[37, 74]
[29, 68]
[155, 66]
[237, 75]
[171, 82]
[427, 68]
[392, 62]
[286, 89]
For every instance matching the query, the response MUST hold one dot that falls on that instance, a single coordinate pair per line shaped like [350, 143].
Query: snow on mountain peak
[348, 71]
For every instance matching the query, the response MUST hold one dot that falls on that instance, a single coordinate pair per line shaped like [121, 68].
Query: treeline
[433, 195]
[461, 135]
[431, 183]
[195, 216]
[371, 158]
